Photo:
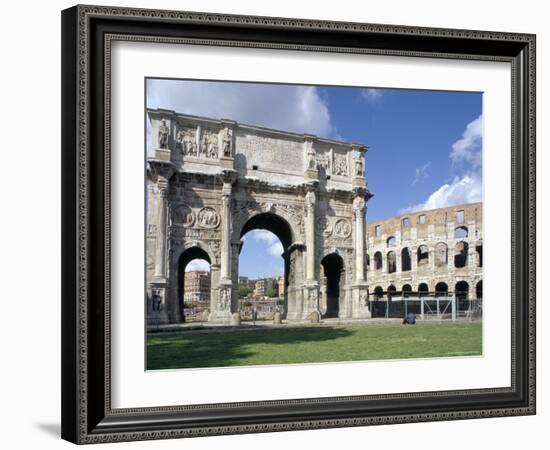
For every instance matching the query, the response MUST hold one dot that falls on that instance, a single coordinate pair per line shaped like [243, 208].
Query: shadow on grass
[219, 349]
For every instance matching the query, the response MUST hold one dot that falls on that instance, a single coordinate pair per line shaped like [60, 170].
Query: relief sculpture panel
[340, 165]
[186, 139]
[208, 218]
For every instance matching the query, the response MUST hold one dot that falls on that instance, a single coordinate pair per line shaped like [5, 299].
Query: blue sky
[424, 146]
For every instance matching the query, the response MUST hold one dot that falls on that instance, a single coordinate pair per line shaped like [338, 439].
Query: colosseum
[435, 252]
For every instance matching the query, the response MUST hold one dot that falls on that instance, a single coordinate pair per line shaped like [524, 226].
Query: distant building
[259, 288]
[196, 287]
[264, 285]
[281, 283]
[439, 250]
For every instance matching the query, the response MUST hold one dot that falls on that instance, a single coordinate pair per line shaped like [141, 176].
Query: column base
[221, 310]
[311, 300]
[220, 317]
[359, 301]
[299, 316]
[157, 313]
[157, 318]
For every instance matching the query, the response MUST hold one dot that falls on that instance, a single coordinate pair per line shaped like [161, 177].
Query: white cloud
[276, 249]
[468, 148]
[287, 107]
[467, 189]
[467, 186]
[371, 95]
[197, 264]
[421, 173]
[271, 242]
[262, 236]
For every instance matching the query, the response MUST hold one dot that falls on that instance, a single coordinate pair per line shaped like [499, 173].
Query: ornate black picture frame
[87, 34]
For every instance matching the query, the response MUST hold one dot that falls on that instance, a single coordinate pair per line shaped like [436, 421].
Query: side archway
[422, 256]
[333, 268]
[461, 254]
[479, 290]
[423, 289]
[461, 290]
[461, 232]
[188, 255]
[441, 288]
[392, 261]
[405, 259]
[378, 261]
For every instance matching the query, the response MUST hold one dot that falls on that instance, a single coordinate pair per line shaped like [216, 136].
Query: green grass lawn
[312, 344]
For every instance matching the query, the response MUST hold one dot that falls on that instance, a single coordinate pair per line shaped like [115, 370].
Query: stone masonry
[440, 250]
[211, 181]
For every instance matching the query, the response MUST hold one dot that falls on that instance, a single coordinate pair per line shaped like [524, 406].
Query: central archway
[333, 270]
[270, 222]
[282, 230]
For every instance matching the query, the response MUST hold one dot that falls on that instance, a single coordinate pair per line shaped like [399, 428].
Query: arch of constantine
[211, 181]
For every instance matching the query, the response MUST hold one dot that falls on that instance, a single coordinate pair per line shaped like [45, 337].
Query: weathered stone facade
[440, 250]
[211, 181]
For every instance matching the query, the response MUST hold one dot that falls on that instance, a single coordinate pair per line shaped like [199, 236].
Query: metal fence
[426, 306]
[196, 312]
[264, 309]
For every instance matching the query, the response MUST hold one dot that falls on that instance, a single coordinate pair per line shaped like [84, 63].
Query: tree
[243, 291]
[271, 292]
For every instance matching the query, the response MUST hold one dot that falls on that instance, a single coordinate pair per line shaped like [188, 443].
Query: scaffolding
[425, 305]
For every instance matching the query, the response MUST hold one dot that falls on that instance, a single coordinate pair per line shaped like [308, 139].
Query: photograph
[301, 224]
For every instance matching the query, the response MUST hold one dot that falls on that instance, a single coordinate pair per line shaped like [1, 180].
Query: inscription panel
[268, 153]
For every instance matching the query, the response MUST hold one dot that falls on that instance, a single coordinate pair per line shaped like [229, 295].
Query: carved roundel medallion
[324, 226]
[184, 215]
[342, 228]
[208, 217]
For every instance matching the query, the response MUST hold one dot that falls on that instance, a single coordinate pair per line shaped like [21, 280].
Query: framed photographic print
[279, 224]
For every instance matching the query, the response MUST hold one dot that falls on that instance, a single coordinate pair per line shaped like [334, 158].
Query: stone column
[222, 305]
[310, 305]
[160, 263]
[414, 260]
[357, 307]
[359, 210]
[398, 268]
[162, 302]
[471, 263]
[310, 236]
[162, 206]
[471, 289]
[451, 256]
[225, 265]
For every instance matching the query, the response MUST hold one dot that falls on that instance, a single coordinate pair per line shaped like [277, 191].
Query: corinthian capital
[359, 204]
[227, 189]
[310, 199]
[162, 187]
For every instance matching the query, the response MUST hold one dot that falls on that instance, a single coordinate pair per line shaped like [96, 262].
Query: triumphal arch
[211, 181]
